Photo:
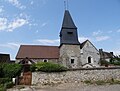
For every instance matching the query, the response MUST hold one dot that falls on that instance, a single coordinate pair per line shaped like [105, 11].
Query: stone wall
[68, 52]
[76, 76]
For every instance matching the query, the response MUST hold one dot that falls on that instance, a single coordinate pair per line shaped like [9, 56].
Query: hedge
[9, 70]
[48, 67]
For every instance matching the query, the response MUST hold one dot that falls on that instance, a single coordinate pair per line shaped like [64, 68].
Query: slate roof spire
[68, 21]
[68, 33]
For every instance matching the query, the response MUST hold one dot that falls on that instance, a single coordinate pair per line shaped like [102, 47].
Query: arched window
[89, 59]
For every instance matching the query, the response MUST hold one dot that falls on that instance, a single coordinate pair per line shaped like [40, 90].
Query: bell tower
[69, 44]
[68, 33]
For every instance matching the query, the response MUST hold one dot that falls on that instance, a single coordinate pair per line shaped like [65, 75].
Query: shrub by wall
[7, 72]
[48, 67]
[11, 70]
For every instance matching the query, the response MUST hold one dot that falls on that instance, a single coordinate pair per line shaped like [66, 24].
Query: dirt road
[71, 87]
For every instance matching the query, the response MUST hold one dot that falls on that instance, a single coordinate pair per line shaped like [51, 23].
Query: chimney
[111, 53]
[100, 50]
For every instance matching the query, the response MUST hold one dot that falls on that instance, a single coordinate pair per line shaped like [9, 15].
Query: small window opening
[72, 61]
[89, 59]
[70, 32]
[45, 60]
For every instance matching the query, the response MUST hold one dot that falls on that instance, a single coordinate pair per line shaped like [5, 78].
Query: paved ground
[70, 87]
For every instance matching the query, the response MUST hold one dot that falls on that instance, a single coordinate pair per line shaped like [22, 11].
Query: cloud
[31, 2]
[16, 24]
[97, 33]
[102, 38]
[5, 25]
[1, 9]
[44, 24]
[118, 30]
[82, 39]
[117, 52]
[10, 45]
[16, 3]
[48, 42]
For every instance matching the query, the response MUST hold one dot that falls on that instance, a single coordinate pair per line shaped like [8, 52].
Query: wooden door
[26, 78]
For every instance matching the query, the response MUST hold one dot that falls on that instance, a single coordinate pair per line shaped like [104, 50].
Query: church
[70, 53]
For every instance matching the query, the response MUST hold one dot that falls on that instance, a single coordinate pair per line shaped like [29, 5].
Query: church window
[70, 32]
[72, 61]
[45, 60]
[89, 59]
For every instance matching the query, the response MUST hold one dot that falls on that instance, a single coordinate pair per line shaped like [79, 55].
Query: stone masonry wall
[68, 52]
[75, 76]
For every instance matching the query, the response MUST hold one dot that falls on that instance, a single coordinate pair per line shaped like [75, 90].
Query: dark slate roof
[67, 21]
[4, 58]
[38, 52]
[107, 55]
[68, 33]
[82, 44]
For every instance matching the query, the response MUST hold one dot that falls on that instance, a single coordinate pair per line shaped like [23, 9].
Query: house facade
[71, 53]
[5, 58]
[106, 56]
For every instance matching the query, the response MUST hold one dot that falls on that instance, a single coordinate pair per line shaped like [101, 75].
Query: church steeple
[67, 21]
[68, 33]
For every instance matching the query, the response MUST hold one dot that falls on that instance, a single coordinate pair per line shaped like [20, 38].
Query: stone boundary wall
[76, 75]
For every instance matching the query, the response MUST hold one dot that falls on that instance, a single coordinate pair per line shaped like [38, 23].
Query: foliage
[48, 67]
[115, 60]
[4, 80]
[33, 67]
[10, 70]
[104, 62]
[7, 72]
[2, 87]
[9, 84]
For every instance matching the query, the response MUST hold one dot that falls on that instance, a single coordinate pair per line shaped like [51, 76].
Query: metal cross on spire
[66, 4]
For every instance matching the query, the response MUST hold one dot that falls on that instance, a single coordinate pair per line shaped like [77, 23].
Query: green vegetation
[104, 62]
[47, 67]
[7, 72]
[115, 60]
[102, 82]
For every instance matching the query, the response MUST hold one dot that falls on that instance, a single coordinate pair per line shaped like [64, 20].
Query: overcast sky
[38, 22]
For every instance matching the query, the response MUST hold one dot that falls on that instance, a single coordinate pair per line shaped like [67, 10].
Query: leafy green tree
[11, 70]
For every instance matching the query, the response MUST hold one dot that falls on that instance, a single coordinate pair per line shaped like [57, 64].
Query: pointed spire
[67, 21]
[68, 33]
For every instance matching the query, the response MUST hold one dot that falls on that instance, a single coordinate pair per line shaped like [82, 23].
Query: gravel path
[71, 87]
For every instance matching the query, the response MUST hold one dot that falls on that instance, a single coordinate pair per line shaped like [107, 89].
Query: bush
[10, 70]
[33, 67]
[116, 63]
[4, 80]
[48, 67]
[104, 62]
[9, 84]
[2, 87]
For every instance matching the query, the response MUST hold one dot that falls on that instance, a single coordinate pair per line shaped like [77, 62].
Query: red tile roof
[38, 52]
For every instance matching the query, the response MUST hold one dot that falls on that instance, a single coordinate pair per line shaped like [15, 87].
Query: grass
[102, 82]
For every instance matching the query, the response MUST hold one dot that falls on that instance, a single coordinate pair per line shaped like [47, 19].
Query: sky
[38, 22]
